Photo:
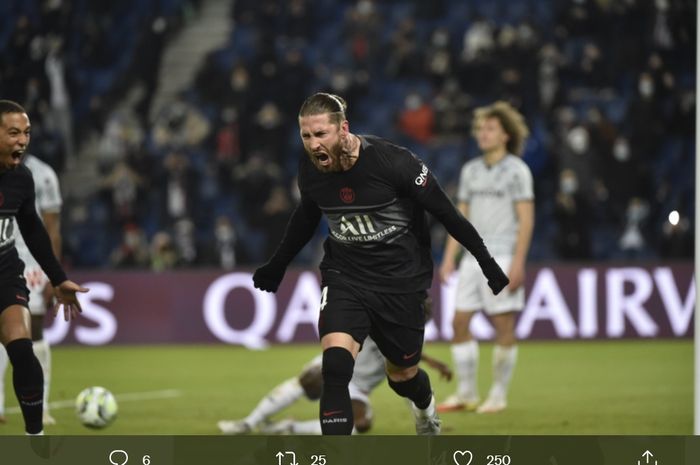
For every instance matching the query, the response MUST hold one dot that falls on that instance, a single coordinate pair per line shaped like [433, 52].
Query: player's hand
[268, 277]
[497, 279]
[65, 294]
[442, 368]
[516, 275]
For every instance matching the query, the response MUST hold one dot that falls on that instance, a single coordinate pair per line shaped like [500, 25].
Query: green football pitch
[641, 387]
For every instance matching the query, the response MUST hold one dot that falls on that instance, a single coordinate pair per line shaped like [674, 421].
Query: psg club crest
[347, 195]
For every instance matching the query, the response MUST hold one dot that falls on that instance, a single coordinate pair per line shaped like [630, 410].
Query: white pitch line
[126, 397]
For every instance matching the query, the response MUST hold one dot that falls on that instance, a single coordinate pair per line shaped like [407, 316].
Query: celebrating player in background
[377, 264]
[368, 374]
[48, 205]
[17, 201]
[495, 193]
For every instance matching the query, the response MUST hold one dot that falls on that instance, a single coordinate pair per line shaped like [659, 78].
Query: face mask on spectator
[569, 185]
[646, 87]
[621, 150]
[413, 102]
[578, 139]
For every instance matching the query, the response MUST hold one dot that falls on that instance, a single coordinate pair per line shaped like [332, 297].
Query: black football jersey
[378, 233]
[17, 200]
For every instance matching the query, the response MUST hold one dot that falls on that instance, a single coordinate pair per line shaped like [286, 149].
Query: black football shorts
[396, 322]
[13, 287]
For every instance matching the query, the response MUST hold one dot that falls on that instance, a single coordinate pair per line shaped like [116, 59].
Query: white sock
[278, 399]
[504, 359]
[427, 412]
[4, 360]
[43, 353]
[466, 360]
[306, 427]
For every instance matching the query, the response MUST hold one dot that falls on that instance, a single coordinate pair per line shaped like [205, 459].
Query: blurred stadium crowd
[207, 178]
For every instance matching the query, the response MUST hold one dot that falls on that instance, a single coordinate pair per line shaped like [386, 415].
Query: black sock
[28, 381]
[336, 408]
[417, 389]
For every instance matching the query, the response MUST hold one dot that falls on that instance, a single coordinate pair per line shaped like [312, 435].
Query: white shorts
[369, 371]
[474, 293]
[36, 282]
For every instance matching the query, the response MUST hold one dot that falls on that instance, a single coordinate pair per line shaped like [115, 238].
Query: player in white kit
[496, 195]
[369, 373]
[48, 205]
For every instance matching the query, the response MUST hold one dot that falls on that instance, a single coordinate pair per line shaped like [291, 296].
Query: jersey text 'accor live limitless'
[378, 233]
[17, 199]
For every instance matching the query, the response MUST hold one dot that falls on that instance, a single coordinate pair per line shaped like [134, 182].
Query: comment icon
[118, 457]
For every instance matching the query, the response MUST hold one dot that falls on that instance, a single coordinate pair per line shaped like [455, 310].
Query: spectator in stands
[417, 119]
[133, 251]
[123, 187]
[225, 236]
[163, 253]
[573, 218]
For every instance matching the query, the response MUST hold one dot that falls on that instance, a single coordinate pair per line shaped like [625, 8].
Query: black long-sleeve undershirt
[38, 242]
[300, 229]
[438, 204]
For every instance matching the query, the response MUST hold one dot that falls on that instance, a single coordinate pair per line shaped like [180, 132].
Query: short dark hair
[321, 103]
[8, 106]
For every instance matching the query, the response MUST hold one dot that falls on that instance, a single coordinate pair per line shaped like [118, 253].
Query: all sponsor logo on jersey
[347, 195]
[422, 178]
[6, 230]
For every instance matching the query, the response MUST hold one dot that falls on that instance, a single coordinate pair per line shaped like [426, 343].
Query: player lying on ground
[369, 373]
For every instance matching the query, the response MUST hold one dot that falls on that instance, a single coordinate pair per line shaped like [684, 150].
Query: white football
[96, 407]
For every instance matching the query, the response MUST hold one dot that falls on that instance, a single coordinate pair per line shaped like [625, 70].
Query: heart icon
[462, 457]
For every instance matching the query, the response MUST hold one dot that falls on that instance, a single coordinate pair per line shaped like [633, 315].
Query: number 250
[498, 459]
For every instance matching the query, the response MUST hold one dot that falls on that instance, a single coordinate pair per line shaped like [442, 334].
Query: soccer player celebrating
[495, 193]
[48, 205]
[377, 265]
[17, 200]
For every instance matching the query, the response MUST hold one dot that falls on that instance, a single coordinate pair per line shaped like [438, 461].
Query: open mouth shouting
[323, 159]
[16, 158]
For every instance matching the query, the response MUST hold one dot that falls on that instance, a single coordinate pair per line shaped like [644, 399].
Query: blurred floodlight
[673, 217]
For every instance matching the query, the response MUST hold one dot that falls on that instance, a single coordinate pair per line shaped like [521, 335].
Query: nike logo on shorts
[406, 357]
[332, 412]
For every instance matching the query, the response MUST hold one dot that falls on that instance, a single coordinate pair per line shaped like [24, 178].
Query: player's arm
[525, 211]
[37, 239]
[39, 244]
[52, 223]
[449, 257]
[300, 230]
[441, 367]
[424, 188]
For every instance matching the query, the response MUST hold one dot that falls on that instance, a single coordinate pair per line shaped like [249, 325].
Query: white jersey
[491, 193]
[48, 199]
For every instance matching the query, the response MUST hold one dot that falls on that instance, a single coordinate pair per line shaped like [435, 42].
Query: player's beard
[335, 153]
